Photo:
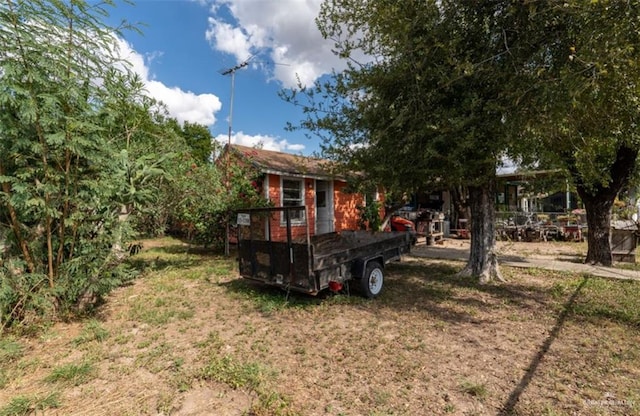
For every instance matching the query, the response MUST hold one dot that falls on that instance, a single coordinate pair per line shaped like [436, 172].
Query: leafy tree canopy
[442, 90]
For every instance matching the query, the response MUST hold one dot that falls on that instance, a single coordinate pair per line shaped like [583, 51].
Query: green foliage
[198, 138]
[149, 147]
[195, 193]
[428, 107]
[584, 65]
[450, 87]
[23, 296]
[369, 216]
[74, 374]
[579, 102]
[26, 405]
[65, 176]
[432, 104]
[192, 199]
[204, 202]
[92, 331]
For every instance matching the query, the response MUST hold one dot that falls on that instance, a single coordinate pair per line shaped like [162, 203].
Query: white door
[324, 207]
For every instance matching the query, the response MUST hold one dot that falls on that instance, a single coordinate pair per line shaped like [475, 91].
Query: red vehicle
[398, 223]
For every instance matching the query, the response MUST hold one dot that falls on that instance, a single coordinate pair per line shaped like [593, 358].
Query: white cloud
[229, 39]
[183, 105]
[265, 142]
[283, 29]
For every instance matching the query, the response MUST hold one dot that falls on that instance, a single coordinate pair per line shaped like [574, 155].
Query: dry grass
[190, 338]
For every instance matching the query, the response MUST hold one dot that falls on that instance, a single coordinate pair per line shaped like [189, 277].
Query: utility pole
[230, 71]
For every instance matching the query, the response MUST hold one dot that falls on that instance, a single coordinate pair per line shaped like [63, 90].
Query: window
[321, 198]
[371, 196]
[293, 196]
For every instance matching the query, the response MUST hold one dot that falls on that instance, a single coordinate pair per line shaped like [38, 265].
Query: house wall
[381, 199]
[278, 230]
[345, 212]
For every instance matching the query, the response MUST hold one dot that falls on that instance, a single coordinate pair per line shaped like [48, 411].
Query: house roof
[287, 164]
[528, 175]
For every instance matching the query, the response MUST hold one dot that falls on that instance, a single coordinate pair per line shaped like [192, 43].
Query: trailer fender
[359, 266]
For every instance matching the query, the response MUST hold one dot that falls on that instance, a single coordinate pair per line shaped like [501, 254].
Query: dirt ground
[542, 249]
[190, 338]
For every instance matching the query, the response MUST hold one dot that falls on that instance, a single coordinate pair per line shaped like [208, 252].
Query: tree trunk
[16, 226]
[460, 205]
[483, 262]
[598, 201]
[599, 223]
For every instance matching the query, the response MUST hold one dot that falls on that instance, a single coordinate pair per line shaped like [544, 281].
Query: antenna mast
[230, 71]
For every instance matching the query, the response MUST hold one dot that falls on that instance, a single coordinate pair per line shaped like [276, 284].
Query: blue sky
[186, 43]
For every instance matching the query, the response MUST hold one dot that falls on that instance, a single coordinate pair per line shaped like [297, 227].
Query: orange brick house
[293, 180]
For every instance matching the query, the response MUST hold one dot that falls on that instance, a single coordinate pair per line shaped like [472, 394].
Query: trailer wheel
[372, 281]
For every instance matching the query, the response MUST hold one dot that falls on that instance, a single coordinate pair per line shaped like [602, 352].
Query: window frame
[301, 201]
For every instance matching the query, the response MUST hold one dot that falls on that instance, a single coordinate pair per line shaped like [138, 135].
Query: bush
[369, 216]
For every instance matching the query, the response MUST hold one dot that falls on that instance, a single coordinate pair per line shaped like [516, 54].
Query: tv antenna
[231, 71]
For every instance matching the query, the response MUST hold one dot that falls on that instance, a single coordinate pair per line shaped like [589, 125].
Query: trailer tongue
[294, 260]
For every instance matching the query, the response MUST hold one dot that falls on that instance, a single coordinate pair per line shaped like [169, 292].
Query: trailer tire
[372, 281]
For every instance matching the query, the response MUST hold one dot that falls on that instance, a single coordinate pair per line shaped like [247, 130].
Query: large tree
[444, 89]
[580, 101]
[421, 99]
[199, 139]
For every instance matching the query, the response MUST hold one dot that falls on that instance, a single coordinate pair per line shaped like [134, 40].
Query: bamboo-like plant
[62, 174]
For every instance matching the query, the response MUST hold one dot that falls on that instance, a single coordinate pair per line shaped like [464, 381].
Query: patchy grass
[609, 300]
[235, 374]
[478, 390]
[10, 350]
[73, 374]
[189, 337]
[92, 331]
[26, 405]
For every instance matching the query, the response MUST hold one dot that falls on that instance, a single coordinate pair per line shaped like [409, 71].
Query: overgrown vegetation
[369, 216]
[61, 191]
[88, 162]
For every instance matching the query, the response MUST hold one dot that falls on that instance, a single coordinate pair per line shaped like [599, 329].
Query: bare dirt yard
[570, 251]
[189, 337]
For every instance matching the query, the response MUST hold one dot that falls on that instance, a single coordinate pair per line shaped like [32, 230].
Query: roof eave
[301, 175]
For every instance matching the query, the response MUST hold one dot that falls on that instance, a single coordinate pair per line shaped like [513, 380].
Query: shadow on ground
[174, 256]
[432, 289]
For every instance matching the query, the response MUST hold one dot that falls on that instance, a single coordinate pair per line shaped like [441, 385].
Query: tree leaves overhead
[579, 102]
[584, 89]
[422, 94]
[440, 91]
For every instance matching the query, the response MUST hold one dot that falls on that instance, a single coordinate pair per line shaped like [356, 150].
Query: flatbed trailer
[297, 261]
